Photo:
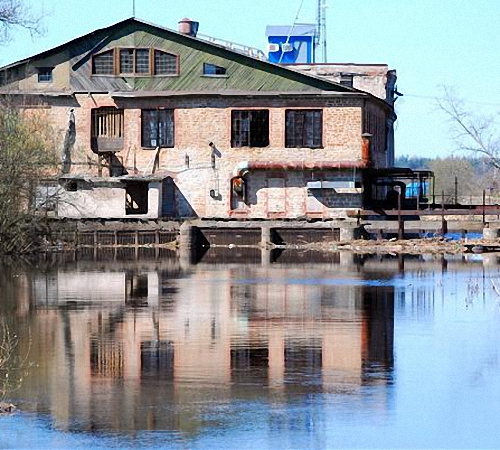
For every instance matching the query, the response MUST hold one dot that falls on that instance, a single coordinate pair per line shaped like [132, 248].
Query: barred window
[157, 128]
[103, 63]
[107, 128]
[304, 128]
[107, 122]
[250, 128]
[165, 63]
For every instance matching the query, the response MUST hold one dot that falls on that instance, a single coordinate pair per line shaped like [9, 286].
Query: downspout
[366, 150]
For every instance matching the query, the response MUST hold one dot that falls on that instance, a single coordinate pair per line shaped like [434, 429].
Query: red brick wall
[201, 121]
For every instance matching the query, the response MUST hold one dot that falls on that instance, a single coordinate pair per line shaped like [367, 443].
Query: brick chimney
[188, 27]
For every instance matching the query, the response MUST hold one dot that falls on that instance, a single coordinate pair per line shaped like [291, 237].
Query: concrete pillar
[348, 233]
[265, 243]
[265, 256]
[346, 259]
[187, 243]
[265, 238]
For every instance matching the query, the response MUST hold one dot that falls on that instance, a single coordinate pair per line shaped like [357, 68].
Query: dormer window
[135, 62]
[103, 63]
[126, 61]
[45, 74]
[165, 63]
[212, 69]
[142, 61]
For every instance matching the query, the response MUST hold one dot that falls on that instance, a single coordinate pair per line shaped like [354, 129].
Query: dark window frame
[213, 70]
[250, 128]
[304, 128]
[158, 117]
[45, 74]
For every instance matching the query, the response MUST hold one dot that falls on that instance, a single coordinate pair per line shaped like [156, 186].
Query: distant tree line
[458, 176]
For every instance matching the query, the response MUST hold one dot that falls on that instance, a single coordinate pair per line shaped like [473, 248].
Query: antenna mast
[321, 28]
[133, 9]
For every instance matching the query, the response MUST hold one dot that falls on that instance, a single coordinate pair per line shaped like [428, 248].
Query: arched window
[103, 63]
[165, 63]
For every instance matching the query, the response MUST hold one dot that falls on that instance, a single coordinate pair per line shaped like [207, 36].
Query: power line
[429, 97]
[291, 30]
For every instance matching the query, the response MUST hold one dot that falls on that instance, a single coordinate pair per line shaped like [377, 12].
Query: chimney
[188, 27]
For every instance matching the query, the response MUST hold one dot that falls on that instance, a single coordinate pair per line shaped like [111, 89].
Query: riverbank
[412, 246]
[6, 408]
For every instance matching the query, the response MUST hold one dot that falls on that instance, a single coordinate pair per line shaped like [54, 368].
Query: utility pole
[133, 9]
[321, 28]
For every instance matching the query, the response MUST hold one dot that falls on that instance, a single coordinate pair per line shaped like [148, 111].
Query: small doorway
[136, 197]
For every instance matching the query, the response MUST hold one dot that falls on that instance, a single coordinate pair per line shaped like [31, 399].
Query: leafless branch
[16, 14]
[472, 132]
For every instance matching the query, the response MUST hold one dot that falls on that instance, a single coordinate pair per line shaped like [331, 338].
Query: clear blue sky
[429, 42]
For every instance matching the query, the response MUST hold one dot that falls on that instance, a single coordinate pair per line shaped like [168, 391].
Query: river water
[301, 351]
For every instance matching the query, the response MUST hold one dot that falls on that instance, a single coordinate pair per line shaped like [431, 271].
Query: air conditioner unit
[273, 48]
[287, 48]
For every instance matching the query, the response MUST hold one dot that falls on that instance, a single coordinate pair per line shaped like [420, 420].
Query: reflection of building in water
[152, 339]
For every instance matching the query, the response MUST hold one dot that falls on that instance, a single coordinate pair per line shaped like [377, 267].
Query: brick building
[157, 123]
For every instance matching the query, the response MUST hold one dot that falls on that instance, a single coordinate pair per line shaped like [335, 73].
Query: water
[347, 351]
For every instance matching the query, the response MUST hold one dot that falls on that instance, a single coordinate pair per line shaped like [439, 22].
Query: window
[103, 63]
[126, 61]
[347, 79]
[212, 69]
[142, 61]
[304, 128]
[107, 129]
[45, 74]
[134, 61]
[157, 128]
[165, 63]
[250, 128]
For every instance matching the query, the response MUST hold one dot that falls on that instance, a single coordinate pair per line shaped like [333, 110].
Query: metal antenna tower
[321, 28]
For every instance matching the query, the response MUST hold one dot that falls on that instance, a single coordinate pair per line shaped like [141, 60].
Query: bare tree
[27, 154]
[16, 14]
[471, 131]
